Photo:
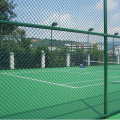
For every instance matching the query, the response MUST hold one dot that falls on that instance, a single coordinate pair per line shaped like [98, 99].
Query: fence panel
[58, 60]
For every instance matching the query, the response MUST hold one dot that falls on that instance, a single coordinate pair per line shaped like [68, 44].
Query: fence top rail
[54, 28]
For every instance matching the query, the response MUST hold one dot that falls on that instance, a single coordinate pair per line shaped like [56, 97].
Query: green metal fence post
[105, 59]
[0, 47]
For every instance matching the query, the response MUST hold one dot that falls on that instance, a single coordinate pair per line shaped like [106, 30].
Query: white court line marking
[116, 81]
[93, 80]
[84, 81]
[67, 71]
[59, 71]
[114, 77]
[63, 85]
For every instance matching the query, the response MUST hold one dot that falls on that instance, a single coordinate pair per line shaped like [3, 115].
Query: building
[53, 48]
[85, 46]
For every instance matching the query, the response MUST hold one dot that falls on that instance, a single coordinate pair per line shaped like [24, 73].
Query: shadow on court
[93, 106]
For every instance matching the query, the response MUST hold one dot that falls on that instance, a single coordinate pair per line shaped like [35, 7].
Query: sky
[74, 14]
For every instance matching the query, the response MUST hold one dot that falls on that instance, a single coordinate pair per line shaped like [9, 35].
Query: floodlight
[54, 24]
[91, 29]
[116, 33]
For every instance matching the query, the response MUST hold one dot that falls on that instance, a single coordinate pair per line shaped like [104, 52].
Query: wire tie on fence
[105, 34]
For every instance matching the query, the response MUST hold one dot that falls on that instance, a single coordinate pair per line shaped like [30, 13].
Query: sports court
[67, 92]
[59, 59]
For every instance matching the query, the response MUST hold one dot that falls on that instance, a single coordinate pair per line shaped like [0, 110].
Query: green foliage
[36, 59]
[55, 43]
[27, 57]
[7, 13]
[56, 59]
[6, 8]
[41, 48]
[95, 54]
[64, 50]
[13, 38]
[77, 57]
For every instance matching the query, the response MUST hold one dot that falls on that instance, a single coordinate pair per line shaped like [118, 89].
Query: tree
[56, 59]
[37, 56]
[77, 57]
[7, 13]
[64, 50]
[95, 54]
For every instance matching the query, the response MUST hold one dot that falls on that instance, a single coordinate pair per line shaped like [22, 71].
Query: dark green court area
[58, 93]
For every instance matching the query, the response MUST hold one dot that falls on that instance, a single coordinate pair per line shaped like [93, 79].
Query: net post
[105, 60]
[11, 60]
[0, 47]
[43, 60]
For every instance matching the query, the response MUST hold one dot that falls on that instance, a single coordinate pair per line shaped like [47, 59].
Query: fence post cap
[42, 51]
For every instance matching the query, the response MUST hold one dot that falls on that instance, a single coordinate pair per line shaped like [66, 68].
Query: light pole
[113, 44]
[53, 24]
[90, 30]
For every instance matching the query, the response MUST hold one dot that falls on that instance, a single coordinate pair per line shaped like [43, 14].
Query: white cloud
[112, 4]
[116, 17]
[112, 30]
[114, 23]
[116, 29]
[66, 21]
[63, 20]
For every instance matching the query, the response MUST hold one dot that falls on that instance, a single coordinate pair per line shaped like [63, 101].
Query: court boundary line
[63, 72]
[95, 80]
[84, 81]
[63, 85]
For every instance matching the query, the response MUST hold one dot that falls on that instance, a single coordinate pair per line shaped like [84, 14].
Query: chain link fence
[59, 59]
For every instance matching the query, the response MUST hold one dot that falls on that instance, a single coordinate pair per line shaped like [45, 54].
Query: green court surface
[60, 93]
[117, 116]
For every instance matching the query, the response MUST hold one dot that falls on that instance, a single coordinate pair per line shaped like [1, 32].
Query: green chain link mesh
[57, 74]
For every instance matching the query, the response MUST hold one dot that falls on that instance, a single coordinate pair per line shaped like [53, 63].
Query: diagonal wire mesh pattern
[53, 59]
[113, 53]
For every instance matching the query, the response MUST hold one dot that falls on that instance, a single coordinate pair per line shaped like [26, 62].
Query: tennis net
[100, 64]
